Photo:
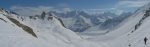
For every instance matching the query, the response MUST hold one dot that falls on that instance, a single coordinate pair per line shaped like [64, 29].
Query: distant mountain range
[83, 20]
[75, 29]
[79, 21]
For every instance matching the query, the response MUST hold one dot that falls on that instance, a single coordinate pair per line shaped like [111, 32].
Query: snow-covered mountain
[52, 30]
[80, 21]
[131, 32]
[36, 31]
[109, 24]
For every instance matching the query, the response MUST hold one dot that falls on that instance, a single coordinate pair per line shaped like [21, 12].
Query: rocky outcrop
[24, 27]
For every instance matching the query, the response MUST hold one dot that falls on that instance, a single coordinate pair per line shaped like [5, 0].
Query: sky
[79, 4]
[117, 6]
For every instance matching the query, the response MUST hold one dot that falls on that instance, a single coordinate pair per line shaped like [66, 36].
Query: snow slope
[130, 33]
[49, 33]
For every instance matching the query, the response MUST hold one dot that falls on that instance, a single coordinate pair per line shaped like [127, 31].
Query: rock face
[43, 15]
[24, 27]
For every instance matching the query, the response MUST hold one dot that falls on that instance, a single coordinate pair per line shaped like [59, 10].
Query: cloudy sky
[79, 4]
[90, 5]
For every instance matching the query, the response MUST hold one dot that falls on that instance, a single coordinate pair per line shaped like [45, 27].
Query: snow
[86, 20]
[51, 33]
[68, 21]
[122, 35]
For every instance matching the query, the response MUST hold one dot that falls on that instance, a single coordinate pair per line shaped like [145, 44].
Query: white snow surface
[51, 33]
[122, 35]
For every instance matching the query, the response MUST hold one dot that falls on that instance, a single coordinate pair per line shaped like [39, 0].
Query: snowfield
[50, 33]
[23, 31]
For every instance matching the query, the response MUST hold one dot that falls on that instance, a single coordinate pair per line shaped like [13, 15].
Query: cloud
[101, 11]
[94, 11]
[120, 7]
[128, 5]
[29, 11]
[66, 9]
[131, 3]
[63, 5]
[118, 12]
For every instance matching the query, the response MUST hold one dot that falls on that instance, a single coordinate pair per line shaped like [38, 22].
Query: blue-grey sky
[116, 6]
[79, 4]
